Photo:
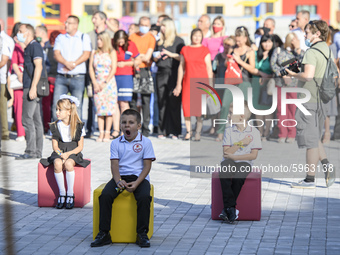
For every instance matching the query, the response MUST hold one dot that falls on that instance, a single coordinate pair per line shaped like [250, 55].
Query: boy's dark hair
[134, 113]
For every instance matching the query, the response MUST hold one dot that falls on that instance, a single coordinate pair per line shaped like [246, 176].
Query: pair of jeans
[145, 110]
[63, 85]
[155, 102]
[142, 196]
[32, 122]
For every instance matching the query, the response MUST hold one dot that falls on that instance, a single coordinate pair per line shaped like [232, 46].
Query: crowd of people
[107, 63]
[150, 70]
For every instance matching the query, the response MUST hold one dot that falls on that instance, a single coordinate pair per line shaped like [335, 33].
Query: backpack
[329, 81]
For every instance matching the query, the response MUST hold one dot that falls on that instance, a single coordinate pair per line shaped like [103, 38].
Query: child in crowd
[67, 141]
[241, 144]
[131, 157]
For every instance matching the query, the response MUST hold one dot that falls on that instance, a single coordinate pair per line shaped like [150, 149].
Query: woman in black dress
[167, 56]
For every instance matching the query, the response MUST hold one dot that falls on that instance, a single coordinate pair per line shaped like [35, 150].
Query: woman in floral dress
[103, 65]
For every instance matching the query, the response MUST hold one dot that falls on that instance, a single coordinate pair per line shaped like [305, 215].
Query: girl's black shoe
[69, 202]
[61, 204]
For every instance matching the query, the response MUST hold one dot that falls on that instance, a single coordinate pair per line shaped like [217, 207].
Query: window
[311, 8]
[10, 10]
[269, 7]
[90, 9]
[54, 7]
[134, 7]
[248, 10]
[215, 9]
[172, 8]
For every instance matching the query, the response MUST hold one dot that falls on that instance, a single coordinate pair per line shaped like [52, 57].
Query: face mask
[39, 39]
[308, 43]
[21, 38]
[144, 29]
[217, 29]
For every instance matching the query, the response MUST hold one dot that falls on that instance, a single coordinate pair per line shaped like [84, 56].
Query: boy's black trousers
[142, 196]
[232, 181]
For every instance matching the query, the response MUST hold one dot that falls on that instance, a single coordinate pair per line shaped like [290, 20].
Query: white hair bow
[71, 98]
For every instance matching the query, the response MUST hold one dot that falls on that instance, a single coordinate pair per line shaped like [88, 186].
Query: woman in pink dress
[215, 42]
[195, 62]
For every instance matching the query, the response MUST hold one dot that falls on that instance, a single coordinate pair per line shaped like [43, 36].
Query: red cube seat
[48, 191]
[248, 201]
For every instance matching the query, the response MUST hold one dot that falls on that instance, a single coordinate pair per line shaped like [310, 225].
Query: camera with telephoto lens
[294, 65]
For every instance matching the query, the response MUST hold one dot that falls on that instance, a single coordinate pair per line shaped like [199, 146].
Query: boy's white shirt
[131, 154]
[233, 135]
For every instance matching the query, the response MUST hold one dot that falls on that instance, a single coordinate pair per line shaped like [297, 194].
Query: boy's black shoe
[224, 216]
[143, 240]
[231, 213]
[101, 239]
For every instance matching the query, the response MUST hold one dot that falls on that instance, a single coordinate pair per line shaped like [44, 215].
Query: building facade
[30, 10]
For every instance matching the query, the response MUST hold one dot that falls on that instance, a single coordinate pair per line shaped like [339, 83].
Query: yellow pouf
[124, 216]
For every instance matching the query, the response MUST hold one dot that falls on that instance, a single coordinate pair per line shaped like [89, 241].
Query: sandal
[186, 138]
[60, 205]
[69, 202]
[115, 136]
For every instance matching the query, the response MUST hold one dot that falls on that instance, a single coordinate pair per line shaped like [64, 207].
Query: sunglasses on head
[312, 23]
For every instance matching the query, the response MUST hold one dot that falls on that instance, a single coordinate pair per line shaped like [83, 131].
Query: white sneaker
[303, 185]
[20, 139]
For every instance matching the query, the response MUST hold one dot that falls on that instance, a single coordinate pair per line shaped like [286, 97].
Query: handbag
[43, 87]
[14, 82]
[143, 81]
[233, 74]
[213, 108]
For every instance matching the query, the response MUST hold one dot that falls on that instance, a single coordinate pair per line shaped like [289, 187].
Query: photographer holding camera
[281, 56]
[309, 127]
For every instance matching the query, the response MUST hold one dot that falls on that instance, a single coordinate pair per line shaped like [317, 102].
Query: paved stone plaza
[294, 221]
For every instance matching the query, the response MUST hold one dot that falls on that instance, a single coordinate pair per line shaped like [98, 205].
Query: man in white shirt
[71, 50]
[6, 56]
[204, 24]
[302, 19]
